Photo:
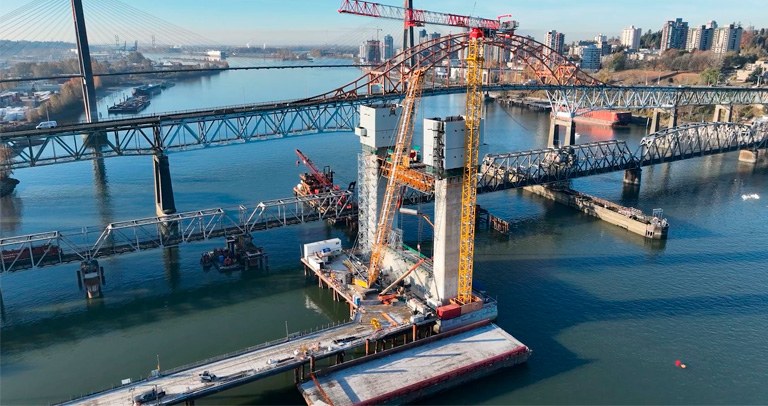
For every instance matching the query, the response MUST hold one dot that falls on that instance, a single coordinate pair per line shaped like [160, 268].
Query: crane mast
[474, 106]
[400, 161]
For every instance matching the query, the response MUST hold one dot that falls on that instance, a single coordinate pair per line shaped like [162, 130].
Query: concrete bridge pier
[751, 156]
[656, 119]
[723, 113]
[569, 134]
[164, 202]
[632, 176]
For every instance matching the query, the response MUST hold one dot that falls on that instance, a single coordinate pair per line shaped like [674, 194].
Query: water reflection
[10, 215]
[172, 267]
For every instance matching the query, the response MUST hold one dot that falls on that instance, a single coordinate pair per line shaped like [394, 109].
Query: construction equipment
[400, 160]
[471, 150]
[324, 178]
[385, 290]
[414, 17]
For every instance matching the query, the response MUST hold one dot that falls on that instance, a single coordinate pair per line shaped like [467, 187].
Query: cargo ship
[604, 117]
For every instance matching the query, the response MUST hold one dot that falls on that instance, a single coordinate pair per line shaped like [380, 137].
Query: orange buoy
[678, 363]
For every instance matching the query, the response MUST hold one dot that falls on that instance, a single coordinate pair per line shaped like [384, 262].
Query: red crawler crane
[324, 178]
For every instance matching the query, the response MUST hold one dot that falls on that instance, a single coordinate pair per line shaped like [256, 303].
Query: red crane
[324, 178]
[415, 17]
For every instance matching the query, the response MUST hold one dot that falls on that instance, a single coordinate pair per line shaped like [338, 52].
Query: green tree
[709, 76]
[618, 62]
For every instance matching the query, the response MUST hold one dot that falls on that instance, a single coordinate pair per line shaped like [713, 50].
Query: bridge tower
[378, 125]
[443, 149]
[84, 56]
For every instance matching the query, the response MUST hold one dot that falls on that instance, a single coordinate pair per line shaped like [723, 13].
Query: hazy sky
[316, 21]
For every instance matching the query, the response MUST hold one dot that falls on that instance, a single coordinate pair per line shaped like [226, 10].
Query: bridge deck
[243, 367]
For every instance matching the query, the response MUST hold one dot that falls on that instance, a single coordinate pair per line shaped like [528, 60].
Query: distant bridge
[567, 88]
[497, 172]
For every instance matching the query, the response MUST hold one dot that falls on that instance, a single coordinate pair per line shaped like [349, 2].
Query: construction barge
[654, 227]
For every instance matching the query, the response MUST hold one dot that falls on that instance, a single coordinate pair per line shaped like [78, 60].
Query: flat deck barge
[421, 370]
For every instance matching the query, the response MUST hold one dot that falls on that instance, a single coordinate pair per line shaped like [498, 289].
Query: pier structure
[561, 120]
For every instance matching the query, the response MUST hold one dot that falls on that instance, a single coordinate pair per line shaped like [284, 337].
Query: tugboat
[240, 253]
[91, 276]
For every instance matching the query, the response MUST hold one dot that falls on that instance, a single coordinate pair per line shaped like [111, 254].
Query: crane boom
[471, 151]
[316, 173]
[415, 17]
[393, 192]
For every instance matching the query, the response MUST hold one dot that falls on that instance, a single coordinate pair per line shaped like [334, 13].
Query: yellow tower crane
[471, 151]
[400, 165]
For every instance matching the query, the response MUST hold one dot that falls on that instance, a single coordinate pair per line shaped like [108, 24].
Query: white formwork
[419, 371]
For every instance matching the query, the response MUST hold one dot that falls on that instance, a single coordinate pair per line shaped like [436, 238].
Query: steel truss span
[56, 247]
[579, 99]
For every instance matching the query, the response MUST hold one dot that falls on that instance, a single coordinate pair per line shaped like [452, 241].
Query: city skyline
[313, 22]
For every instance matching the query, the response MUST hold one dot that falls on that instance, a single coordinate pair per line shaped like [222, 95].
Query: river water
[605, 312]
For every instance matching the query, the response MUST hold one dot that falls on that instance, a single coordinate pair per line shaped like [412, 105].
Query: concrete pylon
[655, 121]
[164, 201]
[723, 113]
[446, 237]
[569, 133]
[378, 124]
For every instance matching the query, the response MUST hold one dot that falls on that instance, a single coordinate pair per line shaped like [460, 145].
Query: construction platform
[422, 368]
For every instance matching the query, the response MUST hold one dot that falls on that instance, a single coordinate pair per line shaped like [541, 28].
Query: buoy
[679, 364]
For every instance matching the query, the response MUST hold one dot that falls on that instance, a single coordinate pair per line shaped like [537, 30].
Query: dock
[421, 370]
[653, 227]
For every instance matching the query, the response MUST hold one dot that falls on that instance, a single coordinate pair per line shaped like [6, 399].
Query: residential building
[700, 38]
[556, 41]
[630, 37]
[590, 57]
[727, 39]
[674, 34]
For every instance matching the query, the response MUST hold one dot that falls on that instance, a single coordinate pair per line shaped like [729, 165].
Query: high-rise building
[700, 38]
[370, 51]
[590, 57]
[630, 37]
[674, 34]
[423, 36]
[600, 38]
[556, 41]
[388, 52]
[727, 39]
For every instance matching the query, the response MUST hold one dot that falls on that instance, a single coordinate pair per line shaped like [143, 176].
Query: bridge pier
[656, 120]
[723, 113]
[164, 202]
[751, 156]
[569, 136]
[632, 176]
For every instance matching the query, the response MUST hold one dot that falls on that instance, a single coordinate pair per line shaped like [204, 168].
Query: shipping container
[449, 311]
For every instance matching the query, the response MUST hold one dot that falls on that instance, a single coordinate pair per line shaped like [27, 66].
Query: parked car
[148, 396]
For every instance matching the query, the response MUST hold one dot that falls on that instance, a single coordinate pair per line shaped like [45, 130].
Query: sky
[282, 22]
